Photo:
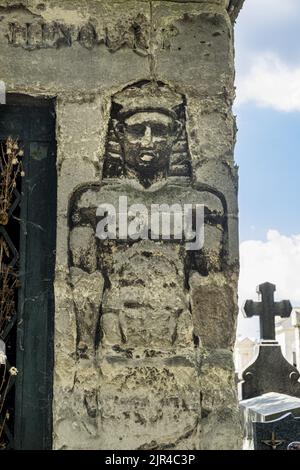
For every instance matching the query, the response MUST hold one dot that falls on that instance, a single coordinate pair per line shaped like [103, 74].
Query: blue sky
[268, 148]
[267, 152]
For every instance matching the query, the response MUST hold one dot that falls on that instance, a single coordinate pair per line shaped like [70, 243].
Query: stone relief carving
[37, 34]
[147, 136]
[133, 295]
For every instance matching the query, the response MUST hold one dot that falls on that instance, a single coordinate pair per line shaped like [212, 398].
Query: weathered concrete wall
[130, 394]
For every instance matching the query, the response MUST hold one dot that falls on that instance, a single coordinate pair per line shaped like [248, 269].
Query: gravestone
[144, 328]
[269, 407]
[277, 434]
[270, 389]
[270, 371]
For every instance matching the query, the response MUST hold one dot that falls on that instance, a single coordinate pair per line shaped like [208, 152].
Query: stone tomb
[134, 319]
[270, 416]
[144, 328]
[281, 434]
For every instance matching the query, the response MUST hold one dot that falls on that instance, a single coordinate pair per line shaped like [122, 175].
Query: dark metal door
[33, 122]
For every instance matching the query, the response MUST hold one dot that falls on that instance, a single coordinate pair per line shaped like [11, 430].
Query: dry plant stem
[11, 168]
[8, 285]
[5, 393]
[3, 378]
[3, 424]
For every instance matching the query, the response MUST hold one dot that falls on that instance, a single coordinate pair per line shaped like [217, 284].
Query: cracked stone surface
[143, 331]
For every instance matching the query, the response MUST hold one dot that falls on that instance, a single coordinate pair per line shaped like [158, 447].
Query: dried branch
[10, 168]
[8, 285]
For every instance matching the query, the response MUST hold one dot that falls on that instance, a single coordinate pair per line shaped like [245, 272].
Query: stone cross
[267, 309]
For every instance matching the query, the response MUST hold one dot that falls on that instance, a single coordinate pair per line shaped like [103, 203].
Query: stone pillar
[144, 330]
[296, 324]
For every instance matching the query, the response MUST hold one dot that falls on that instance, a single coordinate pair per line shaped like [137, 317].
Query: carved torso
[133, 311]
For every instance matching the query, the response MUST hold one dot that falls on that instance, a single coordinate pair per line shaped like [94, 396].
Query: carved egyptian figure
[137, 291]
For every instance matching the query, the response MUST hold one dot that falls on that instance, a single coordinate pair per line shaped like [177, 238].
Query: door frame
[35, 315]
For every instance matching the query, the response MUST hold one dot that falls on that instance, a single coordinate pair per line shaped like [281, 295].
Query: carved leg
[87, 294]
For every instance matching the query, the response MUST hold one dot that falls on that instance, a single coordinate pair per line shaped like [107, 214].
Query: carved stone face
[147, 139]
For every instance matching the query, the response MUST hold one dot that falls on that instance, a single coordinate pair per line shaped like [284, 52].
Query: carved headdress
[141, 97]
[149, 96]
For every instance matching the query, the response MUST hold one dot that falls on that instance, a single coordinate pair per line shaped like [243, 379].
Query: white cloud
[276, 260]
[270, 83]
[269, 11]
